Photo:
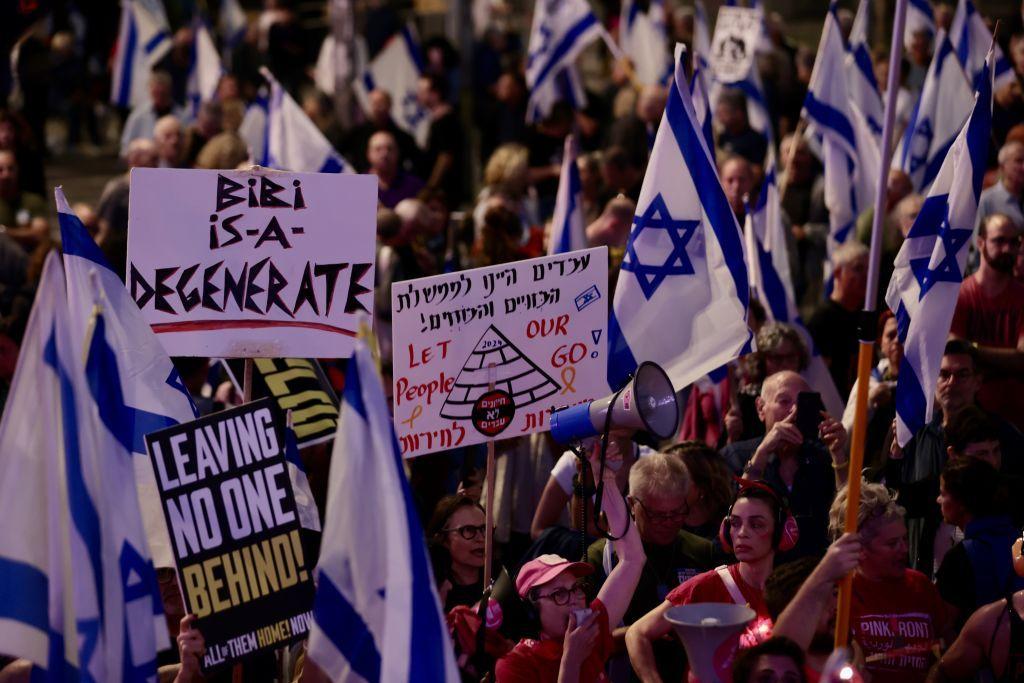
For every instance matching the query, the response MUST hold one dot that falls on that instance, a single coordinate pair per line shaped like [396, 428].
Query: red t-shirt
[997, 322]
[904, 618]
[709, 587]
[538, 660]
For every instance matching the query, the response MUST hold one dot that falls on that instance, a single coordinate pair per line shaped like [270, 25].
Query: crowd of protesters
[743, 506]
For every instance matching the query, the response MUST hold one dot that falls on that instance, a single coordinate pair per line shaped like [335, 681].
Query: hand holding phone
[809, 407]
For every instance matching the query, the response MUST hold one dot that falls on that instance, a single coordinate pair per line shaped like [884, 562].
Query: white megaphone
[703, 627]
[648, 404]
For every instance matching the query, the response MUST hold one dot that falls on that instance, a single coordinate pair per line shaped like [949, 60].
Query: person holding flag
[699, 265]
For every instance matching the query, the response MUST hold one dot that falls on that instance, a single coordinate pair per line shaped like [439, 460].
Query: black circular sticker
[492, 412]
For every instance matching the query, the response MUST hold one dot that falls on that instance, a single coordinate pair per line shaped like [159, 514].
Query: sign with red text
[233, 520]
[243, 264]
[488, 353]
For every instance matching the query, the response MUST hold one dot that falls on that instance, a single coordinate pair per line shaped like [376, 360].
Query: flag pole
[489, 509]
[868, 322]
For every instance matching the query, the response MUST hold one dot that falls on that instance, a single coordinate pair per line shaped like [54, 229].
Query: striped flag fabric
[682, 297]
[568, 231]
[560, 31]
[396, 69]
[920, 18]
[293, 142]
[971, 39]
[205, 69]
[849, 151]
[945, 103]
[863, 86]
[643, 37]
[142, 40]
[377, 615]
[929, 267]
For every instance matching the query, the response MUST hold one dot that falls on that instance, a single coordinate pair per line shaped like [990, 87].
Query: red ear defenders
[786, 532]
[1018, 556]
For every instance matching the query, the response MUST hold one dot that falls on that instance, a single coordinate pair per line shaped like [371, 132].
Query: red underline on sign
[207, 325]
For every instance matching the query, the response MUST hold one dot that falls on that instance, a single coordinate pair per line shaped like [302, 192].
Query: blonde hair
[507, 167]
[877, 507]
[659, 473]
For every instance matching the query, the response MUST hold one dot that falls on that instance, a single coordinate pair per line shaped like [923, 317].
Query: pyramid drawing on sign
[513, 372]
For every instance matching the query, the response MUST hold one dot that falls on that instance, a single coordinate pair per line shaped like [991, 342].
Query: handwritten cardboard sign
[234, 528]
[535, 330]
[240, 264]
[734, 44]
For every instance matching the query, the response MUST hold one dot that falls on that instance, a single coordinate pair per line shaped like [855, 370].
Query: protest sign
[257, 263]
[540, 324]
[299, 385]
[234, 528]
[737, 33]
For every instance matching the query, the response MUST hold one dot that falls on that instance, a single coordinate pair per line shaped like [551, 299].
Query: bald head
[778, 396]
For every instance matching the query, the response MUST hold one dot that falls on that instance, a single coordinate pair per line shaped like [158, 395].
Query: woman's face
[751, 525]
[468, 520]
[891, 346]
[554, 618]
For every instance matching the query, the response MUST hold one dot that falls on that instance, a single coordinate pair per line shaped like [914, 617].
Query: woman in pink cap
[574, 641]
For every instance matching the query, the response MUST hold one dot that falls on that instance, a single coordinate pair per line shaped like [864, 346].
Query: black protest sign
[299, 385]
[233, 524]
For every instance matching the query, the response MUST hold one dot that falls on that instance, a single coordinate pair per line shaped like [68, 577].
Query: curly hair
[772, 335]
[877, 507]
[708, 473]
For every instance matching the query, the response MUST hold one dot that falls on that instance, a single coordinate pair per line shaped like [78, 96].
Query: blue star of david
[920, 144]
[412, 110]
[657, 217]
[948, 270]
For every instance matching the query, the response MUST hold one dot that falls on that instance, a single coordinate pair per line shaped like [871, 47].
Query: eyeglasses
[677, 515]
[959, 375]
[467, 531]
[562, 596]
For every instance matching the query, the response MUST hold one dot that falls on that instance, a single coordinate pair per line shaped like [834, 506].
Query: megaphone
[648, 404]
[703, 628]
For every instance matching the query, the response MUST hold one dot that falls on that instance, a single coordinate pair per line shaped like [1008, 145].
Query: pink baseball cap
[539, 571]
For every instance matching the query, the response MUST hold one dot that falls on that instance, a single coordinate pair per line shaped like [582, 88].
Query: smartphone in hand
[808, 414]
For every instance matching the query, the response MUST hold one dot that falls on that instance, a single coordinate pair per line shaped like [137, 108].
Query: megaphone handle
[599, 479]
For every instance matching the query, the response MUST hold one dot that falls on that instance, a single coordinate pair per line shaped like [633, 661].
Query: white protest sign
[255, 263]
[737, 33]
[536, 329]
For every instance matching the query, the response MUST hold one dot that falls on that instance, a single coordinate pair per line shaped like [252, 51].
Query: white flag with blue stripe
[644, 39]
[929, 267]
[945, 103]
[376, 616]
[701, 33]
[205, 70]
[151, 393]
[682, 296]
[849, 151]
[305, 505]
[971, 40]
[568, 231]
[142, 40]
[78, 593]
[920, 19]
[771, 282]
[292, 140]
[561, 29]
[232, 23]
[702, 100]
[396, 69]
[863, 85]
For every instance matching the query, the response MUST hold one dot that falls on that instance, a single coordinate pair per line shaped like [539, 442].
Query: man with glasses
[990, 314]
[658, 486]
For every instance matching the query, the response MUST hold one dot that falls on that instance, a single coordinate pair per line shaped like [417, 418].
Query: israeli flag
[849, 151]
[945, 103]
[204, 71]
[142, 40]
[292, 140]
[861, 72]
[376, 616]
[78, 592]
[701, 34]
[232, 23]
[561, 29]
[147, 392]
[771, 281]
[568, 231]
[396, 69]
[920, 17]
[929, 267]
[309, 516]
[644, 39]
[681, 299]
[971, 40]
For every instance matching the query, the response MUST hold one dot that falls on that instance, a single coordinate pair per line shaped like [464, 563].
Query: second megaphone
[648, 404]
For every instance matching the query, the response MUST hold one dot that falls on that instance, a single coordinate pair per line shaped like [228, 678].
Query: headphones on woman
[1018, 556]
[786, 532]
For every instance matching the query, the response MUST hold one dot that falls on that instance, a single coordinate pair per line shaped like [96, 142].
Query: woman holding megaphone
[758, 525]
[574, 639]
